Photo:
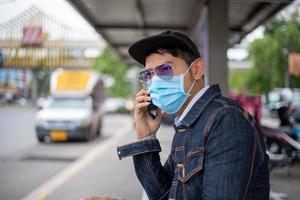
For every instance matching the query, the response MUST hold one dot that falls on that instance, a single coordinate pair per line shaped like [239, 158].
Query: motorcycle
[283, 143]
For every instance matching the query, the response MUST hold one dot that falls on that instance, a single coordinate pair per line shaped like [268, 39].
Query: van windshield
[68, 103]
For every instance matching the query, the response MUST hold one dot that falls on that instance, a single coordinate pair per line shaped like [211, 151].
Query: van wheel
[99, 129]
[40, 139]
[88, 135]
[47, 139]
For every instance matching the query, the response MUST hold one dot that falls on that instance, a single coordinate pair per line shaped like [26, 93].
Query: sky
[64, 12]
[59, 9]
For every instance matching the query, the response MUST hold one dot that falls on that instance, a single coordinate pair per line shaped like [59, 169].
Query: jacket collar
[211, 93]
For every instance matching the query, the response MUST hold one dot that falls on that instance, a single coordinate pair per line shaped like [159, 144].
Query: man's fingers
[142, 105]
[140, 99]
[142, 92]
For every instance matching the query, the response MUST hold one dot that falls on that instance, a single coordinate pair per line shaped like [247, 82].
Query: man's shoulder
[223, 106]
[222, 103]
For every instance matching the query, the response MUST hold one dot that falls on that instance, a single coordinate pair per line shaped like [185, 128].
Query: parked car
[74, 109]
[114, 105]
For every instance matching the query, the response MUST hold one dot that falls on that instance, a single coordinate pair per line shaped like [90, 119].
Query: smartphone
[152, 109]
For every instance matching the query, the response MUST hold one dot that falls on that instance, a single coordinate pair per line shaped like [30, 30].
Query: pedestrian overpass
[34, 42]
[215, 25]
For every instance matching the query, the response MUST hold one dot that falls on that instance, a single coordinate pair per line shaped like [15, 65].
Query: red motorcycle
[283, 144]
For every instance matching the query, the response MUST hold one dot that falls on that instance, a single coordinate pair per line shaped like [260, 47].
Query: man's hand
[98, 198]
[144, 124]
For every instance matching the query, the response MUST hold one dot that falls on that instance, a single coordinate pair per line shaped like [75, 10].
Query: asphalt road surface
[74, 170]
[26, 164]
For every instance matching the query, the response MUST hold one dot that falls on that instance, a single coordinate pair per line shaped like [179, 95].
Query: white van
[74, 110]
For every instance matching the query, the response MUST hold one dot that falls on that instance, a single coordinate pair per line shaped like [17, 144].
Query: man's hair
[186, 55]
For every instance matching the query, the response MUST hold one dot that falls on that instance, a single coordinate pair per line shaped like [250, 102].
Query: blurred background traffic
[67, 83]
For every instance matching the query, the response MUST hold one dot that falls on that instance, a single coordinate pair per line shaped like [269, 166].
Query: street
[286, 182]
[17, 129]
[31, 170]
[26, 164]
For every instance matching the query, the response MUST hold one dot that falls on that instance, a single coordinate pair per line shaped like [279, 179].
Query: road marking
[58, 180]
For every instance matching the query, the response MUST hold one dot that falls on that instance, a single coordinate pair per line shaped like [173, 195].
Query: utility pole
[34, 86]
[285, 51]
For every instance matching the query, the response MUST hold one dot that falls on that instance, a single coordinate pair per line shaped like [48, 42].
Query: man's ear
[198, 69]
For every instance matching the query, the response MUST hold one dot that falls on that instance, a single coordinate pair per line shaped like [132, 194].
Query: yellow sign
[58, 136]
[294, 64]
[76, 80]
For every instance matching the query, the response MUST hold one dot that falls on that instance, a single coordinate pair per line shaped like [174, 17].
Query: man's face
[180, 66]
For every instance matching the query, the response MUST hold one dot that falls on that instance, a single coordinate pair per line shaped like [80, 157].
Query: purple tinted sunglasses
[163, 71]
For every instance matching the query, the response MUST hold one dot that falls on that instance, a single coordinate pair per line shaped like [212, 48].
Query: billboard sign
[32, 36]
[294, 64]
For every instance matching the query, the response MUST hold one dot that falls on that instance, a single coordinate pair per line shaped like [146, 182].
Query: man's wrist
[148, 137]
[138, 147]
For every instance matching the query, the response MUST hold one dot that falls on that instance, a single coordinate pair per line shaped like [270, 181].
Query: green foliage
[110, 65]
[237, 79]
[269, 65]
[269, 58]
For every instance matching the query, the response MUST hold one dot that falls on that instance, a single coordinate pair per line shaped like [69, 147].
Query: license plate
[58, 136]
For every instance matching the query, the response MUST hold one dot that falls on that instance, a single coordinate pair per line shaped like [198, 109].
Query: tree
[269, 56]
[110, 65]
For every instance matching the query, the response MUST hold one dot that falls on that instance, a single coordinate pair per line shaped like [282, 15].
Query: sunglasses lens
[164, 70]
[145, 76]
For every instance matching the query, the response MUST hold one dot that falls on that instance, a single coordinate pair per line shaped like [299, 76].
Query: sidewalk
[104, 174]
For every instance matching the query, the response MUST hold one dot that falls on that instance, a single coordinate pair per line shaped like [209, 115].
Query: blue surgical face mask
[168, 93]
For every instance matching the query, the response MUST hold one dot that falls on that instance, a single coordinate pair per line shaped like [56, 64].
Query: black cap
[140, 48]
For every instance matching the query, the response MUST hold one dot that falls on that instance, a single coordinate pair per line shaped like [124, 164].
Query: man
[217, 151]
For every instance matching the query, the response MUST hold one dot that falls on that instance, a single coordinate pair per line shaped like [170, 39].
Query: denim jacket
[218, 152]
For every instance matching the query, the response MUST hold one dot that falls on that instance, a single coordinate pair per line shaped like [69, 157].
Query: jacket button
[181, 130]
[180, 165]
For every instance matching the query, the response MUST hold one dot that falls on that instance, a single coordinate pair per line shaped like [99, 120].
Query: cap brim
[139, 49]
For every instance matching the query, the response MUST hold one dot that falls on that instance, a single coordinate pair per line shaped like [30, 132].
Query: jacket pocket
[193, 163]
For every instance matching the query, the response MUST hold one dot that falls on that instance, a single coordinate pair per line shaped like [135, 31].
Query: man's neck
[197, 87]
